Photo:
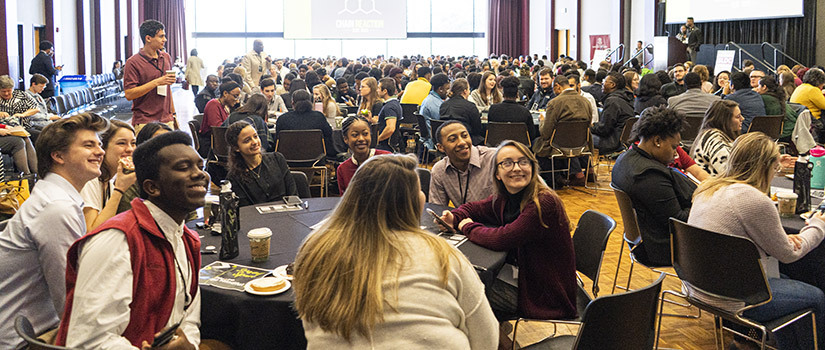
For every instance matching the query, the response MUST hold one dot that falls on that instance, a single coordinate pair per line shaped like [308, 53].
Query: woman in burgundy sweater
[356, 132]
[527, 219]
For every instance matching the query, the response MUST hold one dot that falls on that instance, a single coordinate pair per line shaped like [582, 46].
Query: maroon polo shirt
[139, 70]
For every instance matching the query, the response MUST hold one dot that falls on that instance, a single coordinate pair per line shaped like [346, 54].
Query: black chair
[728, 267]
[424, 180]
[60, 104]
[301, 183]
[424, 131]
[498, 132]
[407, 125]
[199, 118]
[194, 126]
[434, 125]
[770, 125]
[219, 146]
[689, 133]
[25, 330]
[571, 139]
[304, 151]
[617, 321]
[589, 243]
[351, 109]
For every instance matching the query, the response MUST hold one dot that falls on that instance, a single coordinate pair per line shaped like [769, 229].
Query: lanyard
[162, 72]
[463, 194]
[187, 300]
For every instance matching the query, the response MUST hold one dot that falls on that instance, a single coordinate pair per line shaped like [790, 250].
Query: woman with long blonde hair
[526, 218]
[330, 109]
[370, 102]
[737, 203]
[371, 278]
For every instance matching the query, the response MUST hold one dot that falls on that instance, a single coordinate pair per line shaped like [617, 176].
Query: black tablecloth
[811, 267]
[247, 321]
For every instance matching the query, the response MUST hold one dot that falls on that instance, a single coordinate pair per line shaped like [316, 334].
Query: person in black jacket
[618, 107]
[42, 64]
[648, 94]
[458, 108]
[595, 89]
[509, 111]
[544, 93]
[657, 191]
[208, 93]
[302, 117]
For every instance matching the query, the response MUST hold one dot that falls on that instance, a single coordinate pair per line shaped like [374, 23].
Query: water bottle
[230, 222]
[802, 184]
[818, 173]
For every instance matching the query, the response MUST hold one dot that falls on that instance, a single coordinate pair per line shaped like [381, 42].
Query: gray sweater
[742, 210]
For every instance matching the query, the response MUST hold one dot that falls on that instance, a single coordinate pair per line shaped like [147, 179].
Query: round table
[247, 321]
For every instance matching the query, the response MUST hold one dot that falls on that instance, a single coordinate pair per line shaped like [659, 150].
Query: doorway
[39, 34]
[563, 42]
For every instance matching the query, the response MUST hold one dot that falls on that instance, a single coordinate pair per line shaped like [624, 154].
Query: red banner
[599, 42]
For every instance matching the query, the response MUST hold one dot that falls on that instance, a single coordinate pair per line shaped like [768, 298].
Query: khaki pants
[171, 124]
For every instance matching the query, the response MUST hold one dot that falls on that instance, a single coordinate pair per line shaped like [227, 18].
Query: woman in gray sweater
[737, 203]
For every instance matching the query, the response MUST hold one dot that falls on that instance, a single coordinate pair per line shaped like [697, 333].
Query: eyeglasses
[508, 164]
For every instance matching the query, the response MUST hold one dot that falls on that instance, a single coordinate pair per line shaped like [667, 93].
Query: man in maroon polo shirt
[145, 80]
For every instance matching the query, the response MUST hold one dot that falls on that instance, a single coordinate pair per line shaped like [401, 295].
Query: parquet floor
[678, 333]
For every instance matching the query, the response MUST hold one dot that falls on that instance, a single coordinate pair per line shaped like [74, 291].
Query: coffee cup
[787, 204]
[259, 239]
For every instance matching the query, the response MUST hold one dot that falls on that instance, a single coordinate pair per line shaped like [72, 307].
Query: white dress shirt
[100, 309]
[594, 110]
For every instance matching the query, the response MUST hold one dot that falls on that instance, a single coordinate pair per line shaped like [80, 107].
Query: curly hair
[658, 121]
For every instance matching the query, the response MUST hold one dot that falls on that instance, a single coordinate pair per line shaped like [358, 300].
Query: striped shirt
[711, 151]
[17, 104]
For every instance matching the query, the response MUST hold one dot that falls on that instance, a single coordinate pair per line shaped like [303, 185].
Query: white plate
[281, 272]
[248, 288]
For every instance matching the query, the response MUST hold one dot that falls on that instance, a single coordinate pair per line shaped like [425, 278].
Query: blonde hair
[746, 164]
[340, 270]
[368, 101]
[534, 188]
[326, 99]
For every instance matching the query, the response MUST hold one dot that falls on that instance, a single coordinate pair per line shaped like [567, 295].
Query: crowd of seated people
[499, 196]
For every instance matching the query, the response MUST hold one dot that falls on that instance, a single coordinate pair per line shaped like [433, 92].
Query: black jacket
[42, 64]
[540, 98]
[643, 102]
[618, 108]
[203, 97]
[658, 193]
[596, 91]
[458, 108]
[512, 112]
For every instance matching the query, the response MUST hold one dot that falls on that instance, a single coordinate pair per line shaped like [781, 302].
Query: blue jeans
[790, 296]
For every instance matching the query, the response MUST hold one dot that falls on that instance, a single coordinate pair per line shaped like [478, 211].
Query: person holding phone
[147, 79]
[42, 64]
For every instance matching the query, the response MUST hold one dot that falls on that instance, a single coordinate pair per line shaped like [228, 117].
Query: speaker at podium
[669, 51]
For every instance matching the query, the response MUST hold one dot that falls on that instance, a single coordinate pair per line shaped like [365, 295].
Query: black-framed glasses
[508, 164]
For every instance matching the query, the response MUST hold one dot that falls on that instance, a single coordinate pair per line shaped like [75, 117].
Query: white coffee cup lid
[786, 195]
[259, 233]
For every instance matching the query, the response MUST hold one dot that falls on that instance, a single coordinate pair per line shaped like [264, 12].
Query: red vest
[153, 271]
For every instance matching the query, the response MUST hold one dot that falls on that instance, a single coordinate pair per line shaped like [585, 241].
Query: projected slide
[727, 10]
[345, 19]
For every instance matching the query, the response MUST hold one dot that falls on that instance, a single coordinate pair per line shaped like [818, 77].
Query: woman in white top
[101, 196]
[194, 66]
[736, 203]
[330, 108]
[404, 289]
[487, 93]
[722, 125]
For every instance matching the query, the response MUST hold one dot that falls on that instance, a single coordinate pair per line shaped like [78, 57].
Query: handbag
[12, 195]
[185, 85]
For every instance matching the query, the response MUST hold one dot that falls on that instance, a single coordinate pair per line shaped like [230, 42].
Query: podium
[668, 51]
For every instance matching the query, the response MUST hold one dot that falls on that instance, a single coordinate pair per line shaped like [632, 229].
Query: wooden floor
[678, 333]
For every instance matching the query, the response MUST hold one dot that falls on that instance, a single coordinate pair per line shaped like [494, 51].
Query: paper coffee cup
[259, 239]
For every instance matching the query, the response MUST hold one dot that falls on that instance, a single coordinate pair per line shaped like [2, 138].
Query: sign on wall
[599, 43]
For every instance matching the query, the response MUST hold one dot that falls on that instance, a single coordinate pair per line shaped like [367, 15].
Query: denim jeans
[790, 296]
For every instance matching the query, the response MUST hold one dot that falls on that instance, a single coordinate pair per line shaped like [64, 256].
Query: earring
[658, 145]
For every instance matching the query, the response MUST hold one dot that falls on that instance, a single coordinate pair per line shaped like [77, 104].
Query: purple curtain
[509, 27]
[171, 14]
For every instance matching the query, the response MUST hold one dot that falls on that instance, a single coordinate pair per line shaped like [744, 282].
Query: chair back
[408, 113]
[301, 183]
[199, 118]
[621, 321]
[25, 330]
[631, 225]
[299, 146]
[694, 122]
[434, 125]
[194, 126]
[717, 264]
[422, 126]
[424, 181]
[60, 103]
[352, 109]
[770, 125]
[589, 243]
[571, 137]
[499, 132]
[219, 146]
[627, 130]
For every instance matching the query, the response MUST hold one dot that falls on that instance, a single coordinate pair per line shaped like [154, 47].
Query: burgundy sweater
[547, 266]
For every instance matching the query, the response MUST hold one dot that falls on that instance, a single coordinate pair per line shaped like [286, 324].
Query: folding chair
[498, 132]
[304, 151]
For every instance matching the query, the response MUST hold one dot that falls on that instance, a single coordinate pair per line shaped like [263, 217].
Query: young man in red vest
[137, 274]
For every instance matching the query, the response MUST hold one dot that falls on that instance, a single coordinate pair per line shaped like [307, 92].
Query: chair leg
[618, 265]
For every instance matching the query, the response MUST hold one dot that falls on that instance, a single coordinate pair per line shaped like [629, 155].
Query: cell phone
[165, 336]
[444, 224]
[292, 200]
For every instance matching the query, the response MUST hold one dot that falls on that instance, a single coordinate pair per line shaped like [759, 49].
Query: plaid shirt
[18, 103]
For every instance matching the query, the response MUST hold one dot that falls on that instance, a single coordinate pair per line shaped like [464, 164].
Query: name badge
[162, 90]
